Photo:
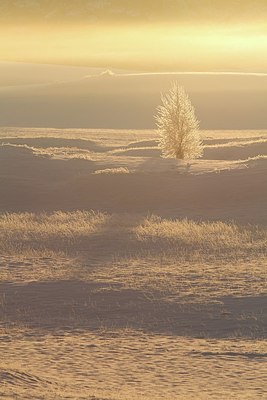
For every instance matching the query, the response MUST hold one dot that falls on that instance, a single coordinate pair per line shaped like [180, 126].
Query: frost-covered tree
[178, 125]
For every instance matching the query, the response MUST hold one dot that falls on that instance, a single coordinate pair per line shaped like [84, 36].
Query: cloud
[156, 10]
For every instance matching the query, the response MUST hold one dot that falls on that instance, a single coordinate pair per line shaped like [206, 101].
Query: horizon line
[105, 70]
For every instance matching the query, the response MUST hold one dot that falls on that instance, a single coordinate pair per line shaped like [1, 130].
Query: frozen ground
[124, 275]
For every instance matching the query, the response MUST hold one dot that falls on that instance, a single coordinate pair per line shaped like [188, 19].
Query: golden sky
[136, 10]
[158, 35]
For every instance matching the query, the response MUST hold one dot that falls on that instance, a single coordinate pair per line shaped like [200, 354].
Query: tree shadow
[73, 304]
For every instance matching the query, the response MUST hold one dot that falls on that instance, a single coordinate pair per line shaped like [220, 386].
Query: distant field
[79, 97]
[123, 171]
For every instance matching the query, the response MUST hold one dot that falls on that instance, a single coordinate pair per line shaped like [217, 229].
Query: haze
[155, 36]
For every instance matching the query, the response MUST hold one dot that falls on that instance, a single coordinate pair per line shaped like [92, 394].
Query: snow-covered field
[124, 275]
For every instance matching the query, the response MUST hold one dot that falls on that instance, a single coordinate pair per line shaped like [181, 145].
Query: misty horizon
[78, 97]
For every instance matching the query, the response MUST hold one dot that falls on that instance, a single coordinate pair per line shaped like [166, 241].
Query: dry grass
[71, 232]
[120, 170]
[63, 153]
[240, 143]
[47, 232]
[186, 281]
[137, 148]
[73, 153]
[256, 158]
[202, 235]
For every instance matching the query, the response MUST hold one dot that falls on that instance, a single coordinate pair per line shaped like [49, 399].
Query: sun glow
[143, 46]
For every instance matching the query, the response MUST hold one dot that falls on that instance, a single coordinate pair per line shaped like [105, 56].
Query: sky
[152, 35]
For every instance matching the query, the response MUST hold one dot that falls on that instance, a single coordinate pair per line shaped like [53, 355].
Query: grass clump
[47, 231]
[120, 170]
[208, 235]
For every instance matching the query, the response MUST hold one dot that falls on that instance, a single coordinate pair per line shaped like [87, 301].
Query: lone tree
[178, 126]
